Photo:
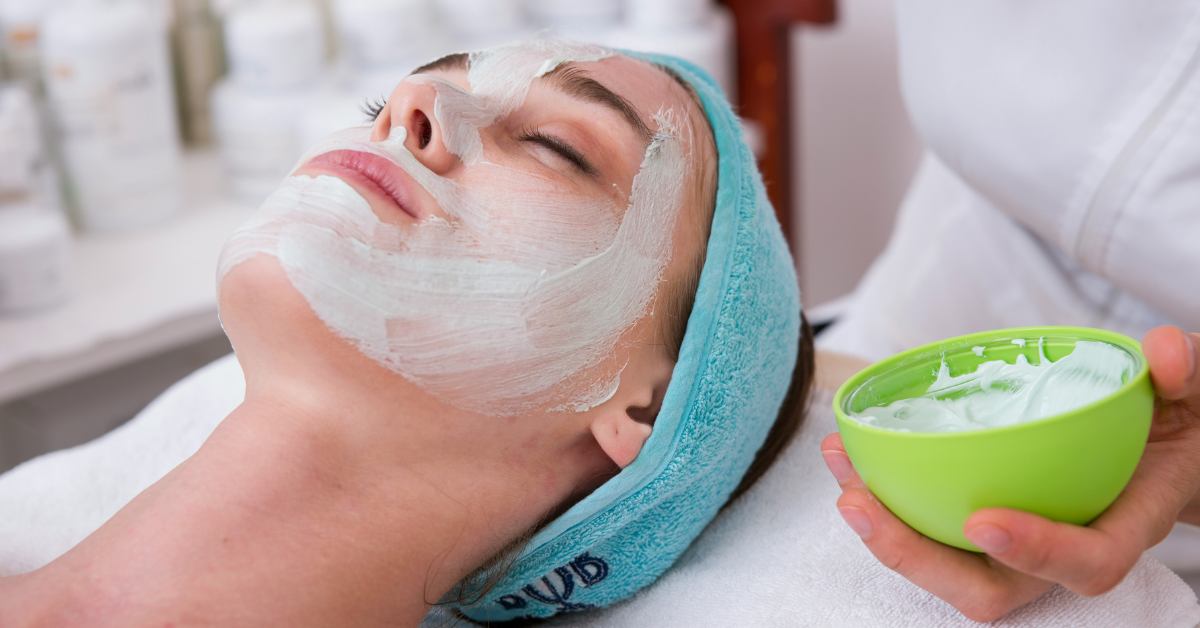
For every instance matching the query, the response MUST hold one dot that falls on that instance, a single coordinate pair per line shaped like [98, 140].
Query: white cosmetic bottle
[34, 248]
[108, 82]
[694, 30]
[276, 55]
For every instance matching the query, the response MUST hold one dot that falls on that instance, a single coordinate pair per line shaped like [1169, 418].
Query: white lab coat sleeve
[1079, 119]
[1151, 244]
[955, 264]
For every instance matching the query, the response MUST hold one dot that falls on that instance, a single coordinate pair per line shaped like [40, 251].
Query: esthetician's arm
[1027, 554]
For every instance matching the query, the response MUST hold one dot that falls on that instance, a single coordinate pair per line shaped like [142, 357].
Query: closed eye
[563, 149]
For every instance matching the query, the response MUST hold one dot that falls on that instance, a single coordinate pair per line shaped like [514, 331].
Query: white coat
[1062, 184]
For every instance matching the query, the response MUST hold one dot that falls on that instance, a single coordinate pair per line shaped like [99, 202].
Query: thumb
[1172, 356]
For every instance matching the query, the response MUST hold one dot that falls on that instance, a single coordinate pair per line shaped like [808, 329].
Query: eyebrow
[572, 81]
[576, 84]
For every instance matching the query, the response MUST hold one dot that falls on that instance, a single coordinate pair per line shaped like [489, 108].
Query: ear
[622, 424]
[619, 435]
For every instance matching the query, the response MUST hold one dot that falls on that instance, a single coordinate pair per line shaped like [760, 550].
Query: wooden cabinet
[763, 71]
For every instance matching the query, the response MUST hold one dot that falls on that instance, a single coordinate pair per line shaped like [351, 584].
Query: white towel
[781, 556]
[50, 503]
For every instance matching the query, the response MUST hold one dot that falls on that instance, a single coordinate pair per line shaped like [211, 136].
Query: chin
[258, 306]
[278, 337]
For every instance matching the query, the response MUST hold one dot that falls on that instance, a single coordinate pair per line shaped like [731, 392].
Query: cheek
[536, 222]
[515, 300]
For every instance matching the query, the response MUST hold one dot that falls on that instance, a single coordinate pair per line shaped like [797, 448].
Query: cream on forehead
[515, 301]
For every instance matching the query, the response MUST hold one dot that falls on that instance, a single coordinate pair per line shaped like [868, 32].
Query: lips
[375, 174]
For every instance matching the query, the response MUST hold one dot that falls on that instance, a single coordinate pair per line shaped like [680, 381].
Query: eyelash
[373, 106]
[563, 149]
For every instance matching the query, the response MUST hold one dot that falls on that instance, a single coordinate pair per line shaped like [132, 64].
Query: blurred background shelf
[133, 295]
[142, 314]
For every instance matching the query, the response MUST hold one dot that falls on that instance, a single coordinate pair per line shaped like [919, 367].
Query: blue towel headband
[734, 368]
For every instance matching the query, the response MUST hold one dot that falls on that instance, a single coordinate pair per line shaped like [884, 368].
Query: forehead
[647, 87]
[509, 70]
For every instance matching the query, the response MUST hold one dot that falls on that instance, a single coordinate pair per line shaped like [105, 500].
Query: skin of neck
[337, 493]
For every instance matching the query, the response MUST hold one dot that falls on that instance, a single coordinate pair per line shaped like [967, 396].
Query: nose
[411, 106]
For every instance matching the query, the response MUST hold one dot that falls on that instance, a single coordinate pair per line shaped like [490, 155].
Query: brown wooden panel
[763, 83]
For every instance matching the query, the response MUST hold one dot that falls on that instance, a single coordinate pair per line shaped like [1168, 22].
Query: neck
[302, 509]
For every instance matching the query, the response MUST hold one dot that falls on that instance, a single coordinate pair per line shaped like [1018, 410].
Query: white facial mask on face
[517, 300]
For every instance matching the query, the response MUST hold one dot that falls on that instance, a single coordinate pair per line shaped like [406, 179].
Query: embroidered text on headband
[734, 368]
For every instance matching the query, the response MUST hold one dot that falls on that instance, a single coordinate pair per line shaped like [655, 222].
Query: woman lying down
[509, 349]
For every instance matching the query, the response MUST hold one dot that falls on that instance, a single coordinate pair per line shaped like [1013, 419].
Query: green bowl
[1068, 467]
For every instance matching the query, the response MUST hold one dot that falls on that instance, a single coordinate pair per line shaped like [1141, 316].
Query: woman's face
[498, 235]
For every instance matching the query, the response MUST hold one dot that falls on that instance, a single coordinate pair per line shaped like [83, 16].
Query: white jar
[258, 136]
[34, 248]
[275, 44]
[108, 81]
[376, 34]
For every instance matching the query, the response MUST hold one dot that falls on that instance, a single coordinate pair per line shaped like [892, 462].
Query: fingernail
[858, 521]
[990, 538]
[839, 465]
